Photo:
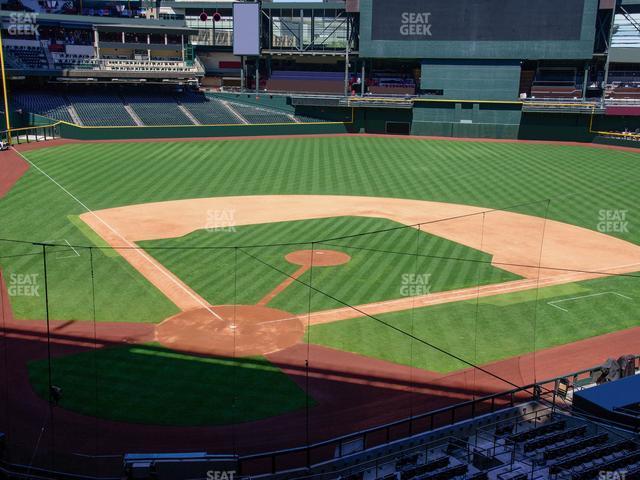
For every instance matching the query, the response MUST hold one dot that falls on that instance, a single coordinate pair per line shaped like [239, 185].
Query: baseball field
[251, 293]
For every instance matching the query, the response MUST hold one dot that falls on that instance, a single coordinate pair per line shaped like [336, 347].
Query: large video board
[246, 29]
[499, 29]
[477, 20]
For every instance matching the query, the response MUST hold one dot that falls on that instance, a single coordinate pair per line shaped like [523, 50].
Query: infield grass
[380, 268]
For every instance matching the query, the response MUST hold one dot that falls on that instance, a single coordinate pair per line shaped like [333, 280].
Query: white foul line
[553, 304]
[127, 242]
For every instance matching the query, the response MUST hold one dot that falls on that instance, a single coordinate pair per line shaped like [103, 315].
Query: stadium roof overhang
[83, 21]
[204, 5]
[118, 27]
[303, 5]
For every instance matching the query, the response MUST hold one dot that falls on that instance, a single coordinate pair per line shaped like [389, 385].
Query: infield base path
[544, 252]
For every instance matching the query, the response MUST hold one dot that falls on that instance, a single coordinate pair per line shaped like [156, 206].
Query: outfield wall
[192, 131]
[467, 119]
[457, 119]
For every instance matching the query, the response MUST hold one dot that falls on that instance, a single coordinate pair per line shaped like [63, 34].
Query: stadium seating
[156, 109]
[574, 446]
[109, 108]
[542, 91]
[617, 464]
[64, 60]
[390, 84]
[260, 115]
[554, 438]
[623, 85]
[49, 105]
[208, 111]
[27, 57]
[589, 455]
[304, 81]
[560, 83]
[538, 431]
[101, 109]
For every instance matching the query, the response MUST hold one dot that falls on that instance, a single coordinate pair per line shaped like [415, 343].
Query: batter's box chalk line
[555, 302]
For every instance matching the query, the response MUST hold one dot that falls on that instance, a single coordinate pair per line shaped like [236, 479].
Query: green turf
[93, 237]
[579, 181]
[150, 384]
[487, 330]
[378, 270]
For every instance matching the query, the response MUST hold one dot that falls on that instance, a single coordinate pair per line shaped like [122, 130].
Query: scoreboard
[478, 28]
[481, 20]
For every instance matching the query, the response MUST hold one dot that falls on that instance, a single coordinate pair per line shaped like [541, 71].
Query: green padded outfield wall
[375, 120]
[131, 133]
[478, 29]
[466, 119]
[470, 79]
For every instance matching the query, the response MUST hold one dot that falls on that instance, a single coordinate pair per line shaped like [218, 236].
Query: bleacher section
[26, 57]
[65, 60]
[303, 81]
[392, 84]
[44, 56]
[208, 111]
[49, 105]
[156, 109]
[260, 115]
[623, 85]
[557, 83]
[130, 107]
[101, 109]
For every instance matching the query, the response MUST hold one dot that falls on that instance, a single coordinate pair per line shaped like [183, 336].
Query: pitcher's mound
[321, 258]
[244, 330]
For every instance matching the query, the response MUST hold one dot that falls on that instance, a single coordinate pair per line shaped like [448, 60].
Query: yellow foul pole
[4, 91]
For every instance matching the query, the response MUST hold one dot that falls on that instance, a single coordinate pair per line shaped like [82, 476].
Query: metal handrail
[535, 389]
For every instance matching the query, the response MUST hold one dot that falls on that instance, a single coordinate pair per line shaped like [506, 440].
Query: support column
[362, 86]
[607, 64]
[257, 76]
[242, 74]
[346, 65]
[96, 39]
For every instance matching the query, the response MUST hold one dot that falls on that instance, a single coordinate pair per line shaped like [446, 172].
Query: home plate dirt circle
[244, 330]
[321, 258]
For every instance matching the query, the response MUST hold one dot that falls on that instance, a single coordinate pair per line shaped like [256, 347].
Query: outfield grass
[579, 181]
[151, 384]
[376, 271]
[492, 328]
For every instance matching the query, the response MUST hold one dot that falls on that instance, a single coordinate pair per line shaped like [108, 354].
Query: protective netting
[220, 341]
